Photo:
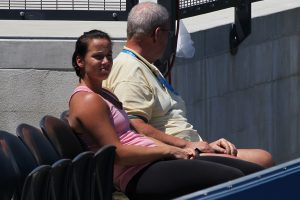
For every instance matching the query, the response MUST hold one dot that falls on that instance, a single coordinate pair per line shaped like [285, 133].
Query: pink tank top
[120, 121]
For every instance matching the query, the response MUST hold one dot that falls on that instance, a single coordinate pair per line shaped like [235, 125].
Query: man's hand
[180, 153]
[224, 146]
[203, 146]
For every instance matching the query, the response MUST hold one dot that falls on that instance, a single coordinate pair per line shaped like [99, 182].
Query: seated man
[152, 105]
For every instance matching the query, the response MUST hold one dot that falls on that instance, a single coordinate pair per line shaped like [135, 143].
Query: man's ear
[156, 34]
[80, 61]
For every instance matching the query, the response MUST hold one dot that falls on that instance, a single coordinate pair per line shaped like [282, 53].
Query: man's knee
[258, 156]
[266, 158]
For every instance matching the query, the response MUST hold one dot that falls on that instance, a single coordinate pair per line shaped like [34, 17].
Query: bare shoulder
[87, 102]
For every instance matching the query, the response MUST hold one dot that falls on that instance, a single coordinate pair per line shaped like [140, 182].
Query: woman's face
[98, 61]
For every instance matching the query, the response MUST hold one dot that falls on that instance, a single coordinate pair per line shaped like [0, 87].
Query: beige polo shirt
[134, 81]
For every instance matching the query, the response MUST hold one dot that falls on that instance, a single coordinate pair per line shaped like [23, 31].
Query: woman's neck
[95, 87]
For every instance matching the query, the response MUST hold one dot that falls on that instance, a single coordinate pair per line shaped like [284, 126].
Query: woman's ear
[80, 61]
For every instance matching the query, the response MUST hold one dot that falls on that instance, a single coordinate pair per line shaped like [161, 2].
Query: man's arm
[148, 130]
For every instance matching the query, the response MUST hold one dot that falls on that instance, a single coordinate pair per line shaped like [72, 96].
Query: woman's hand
[224, 146]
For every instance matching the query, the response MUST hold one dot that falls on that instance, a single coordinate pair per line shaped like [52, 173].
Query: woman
[144, 168]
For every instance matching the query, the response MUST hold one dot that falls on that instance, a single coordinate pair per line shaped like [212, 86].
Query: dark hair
[81, 46]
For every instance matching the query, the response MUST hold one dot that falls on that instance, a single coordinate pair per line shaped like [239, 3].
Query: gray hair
[145, 17]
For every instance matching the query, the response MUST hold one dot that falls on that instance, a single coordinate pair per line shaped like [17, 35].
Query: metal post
[242, 25]
[165, 62]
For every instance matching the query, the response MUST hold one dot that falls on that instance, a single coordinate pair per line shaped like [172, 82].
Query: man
[150, 102]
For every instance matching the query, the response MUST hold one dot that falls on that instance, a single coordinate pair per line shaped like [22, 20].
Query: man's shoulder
[124, 69]
[125, 62]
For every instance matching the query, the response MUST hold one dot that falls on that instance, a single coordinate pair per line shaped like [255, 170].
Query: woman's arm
[89, 113]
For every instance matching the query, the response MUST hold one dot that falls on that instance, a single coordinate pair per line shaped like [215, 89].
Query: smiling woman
[93, 55]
